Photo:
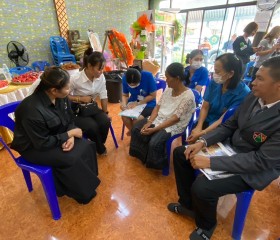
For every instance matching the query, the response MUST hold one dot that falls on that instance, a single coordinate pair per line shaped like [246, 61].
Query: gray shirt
[265, 46]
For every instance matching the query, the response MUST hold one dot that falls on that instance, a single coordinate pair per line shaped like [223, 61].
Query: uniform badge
[259, 137]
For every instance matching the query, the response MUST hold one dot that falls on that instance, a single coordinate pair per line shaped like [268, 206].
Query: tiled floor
[130, 204]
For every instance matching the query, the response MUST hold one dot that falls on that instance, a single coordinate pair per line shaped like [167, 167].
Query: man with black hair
[254, 132]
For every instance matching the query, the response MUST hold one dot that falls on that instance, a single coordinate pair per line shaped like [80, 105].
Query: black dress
[41, 129]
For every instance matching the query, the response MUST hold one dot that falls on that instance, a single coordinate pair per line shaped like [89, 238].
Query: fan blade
[24, 59]
[20, 52]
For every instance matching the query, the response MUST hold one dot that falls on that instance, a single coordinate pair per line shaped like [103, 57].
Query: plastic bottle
[7, 73]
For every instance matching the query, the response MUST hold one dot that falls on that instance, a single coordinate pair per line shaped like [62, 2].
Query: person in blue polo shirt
[195, 72]
[139, 87]
[224, 91]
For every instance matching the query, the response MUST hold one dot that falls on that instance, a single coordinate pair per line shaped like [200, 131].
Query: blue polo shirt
[220, 103]
[200, 77]
[146, 87]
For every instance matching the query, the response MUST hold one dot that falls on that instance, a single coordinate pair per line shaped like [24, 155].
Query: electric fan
[17, 53]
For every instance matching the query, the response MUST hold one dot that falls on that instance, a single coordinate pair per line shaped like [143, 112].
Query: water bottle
[7, 73]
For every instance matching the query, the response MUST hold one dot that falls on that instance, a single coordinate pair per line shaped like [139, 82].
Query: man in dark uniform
[254, 132]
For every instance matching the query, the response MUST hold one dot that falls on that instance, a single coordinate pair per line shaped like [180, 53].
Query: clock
[266, 4]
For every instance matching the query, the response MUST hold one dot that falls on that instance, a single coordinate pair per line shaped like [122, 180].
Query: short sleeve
[164, 96]
[203, 80]
[103, 89]
[207, 94]
[151, 82]
[263, 43]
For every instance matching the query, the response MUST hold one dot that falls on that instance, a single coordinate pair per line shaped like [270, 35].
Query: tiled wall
[32, 22]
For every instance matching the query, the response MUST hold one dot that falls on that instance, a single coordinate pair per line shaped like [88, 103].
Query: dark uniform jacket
[40, 124]
[257, 141]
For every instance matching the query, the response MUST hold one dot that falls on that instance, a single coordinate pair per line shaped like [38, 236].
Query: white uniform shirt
[80, 85]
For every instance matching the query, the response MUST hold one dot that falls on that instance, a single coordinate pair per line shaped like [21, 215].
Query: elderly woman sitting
[170, 116]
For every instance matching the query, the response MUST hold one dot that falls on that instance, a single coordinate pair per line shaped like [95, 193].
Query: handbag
[88, 110]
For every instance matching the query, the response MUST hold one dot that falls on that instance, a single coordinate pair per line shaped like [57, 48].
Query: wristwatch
[202, 140]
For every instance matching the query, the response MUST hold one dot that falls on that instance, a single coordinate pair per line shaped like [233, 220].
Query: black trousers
[96, 128]
[201, 194]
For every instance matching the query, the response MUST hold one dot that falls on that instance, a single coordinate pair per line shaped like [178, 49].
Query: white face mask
[196, 64]
[218, 78]
[134, 86]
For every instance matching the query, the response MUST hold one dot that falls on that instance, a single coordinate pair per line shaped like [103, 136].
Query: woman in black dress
[45, 134]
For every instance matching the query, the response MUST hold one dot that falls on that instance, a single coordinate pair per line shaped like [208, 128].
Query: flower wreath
[119, 47]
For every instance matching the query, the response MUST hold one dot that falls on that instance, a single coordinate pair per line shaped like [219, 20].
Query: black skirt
[150, 149]
[75, 172]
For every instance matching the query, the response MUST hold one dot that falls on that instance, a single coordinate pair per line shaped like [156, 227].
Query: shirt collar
[267, 105]
[45, 98]
[85, 78]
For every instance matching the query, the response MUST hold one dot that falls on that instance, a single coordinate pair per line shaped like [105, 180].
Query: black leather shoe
[202, 234]
[179, 209]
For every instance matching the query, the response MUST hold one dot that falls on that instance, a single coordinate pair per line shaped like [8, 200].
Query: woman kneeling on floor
[170, 116]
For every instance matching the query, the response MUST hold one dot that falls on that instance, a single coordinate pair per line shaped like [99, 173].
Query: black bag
[88, 110]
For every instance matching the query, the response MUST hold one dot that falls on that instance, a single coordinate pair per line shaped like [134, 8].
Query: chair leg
[27, 178]
[165, 170]
[113, 136]
[242, 206]
[50, 192]
[123, 127]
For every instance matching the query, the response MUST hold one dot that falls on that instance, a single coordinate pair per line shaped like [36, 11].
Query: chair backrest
[40, 65]
[229, 113]
[197, 96]
[161, 84]
[59, 45]
[5, 110]
[6, 121]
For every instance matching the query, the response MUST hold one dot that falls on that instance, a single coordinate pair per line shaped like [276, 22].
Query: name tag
[244, 47]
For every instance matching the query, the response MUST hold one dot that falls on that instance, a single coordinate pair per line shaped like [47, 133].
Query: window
[189, 4]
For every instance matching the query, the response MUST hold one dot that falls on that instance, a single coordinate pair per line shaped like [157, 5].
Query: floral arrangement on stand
[140, 30]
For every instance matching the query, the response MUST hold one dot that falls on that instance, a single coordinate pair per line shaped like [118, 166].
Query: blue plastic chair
[19, 70]
[60, 50]
[113, 136]
[243, 198]
[112, 133]
[161, 84]
[186, 132]
[184, 135]
[44, 173]
[247, 78]
[39, 65]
